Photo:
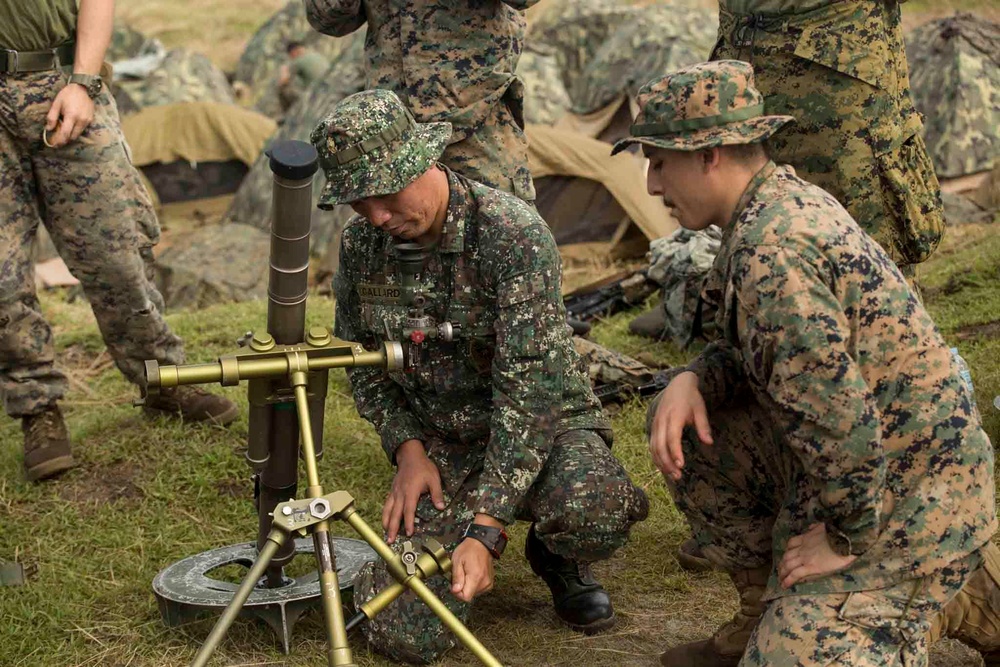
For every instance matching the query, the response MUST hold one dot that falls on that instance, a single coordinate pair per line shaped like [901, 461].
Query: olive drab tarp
[191, 150]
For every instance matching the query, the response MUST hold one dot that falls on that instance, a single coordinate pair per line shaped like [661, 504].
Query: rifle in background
[621, 391]
[604, 298]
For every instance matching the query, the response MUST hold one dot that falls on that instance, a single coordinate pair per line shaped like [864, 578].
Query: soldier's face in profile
[685, 182]
[413, 213]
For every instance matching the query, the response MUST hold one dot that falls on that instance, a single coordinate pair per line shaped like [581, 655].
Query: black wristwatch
[90, 82]
[494, 539]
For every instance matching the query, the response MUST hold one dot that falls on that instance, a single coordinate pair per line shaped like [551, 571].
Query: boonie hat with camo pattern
[370, 146]
[702, 106]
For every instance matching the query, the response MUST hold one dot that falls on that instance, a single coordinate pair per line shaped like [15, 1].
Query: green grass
[152, 492]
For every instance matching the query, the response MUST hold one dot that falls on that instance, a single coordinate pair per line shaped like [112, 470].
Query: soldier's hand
[681, 404]
[471, 570]
[415, 475]
[810, 556]
[71, 112]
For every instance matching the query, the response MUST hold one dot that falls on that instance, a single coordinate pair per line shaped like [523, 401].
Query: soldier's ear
[710, 158]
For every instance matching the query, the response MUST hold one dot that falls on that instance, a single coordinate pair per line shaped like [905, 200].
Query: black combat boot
[580, 601]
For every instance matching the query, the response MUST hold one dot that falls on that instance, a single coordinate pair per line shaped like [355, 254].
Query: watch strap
[90, 82]
[494, 539]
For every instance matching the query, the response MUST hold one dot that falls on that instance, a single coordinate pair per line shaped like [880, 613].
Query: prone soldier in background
[64, 163]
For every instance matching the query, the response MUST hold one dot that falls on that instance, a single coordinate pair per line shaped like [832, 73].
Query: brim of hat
[749, 131]
[387, 169]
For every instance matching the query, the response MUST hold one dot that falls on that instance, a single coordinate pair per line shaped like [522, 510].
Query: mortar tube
[293, 165]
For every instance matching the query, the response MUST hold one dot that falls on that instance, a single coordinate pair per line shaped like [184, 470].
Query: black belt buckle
[9, 55]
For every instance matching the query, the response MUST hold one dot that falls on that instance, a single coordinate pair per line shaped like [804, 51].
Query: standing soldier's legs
[29, 381]
[729, 492]
[495, 154]
[100, 219]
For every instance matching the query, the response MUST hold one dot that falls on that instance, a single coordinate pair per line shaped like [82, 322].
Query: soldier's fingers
[62, 135]
[675, 435]
[387, 510]
[794, 542]
[437, 495]
[52, 117]
[796, 575]
[394, 519]
[410, 511]
[457, 577]
[701, 424]
[78, 128]
[789, 563]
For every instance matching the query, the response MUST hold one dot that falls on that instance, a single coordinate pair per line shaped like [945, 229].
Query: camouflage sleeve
[377, 398]
[527, 371]
[794, 336]
[335, 17]
[720, 374]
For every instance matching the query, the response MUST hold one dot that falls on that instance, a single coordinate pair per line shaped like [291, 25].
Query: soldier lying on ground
[64, 163]
[825, 450]
[303, 67]
[498, 425]
[449, 62]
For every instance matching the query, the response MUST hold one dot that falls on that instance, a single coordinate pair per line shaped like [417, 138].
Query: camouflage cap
[702, 106]
[370, 146]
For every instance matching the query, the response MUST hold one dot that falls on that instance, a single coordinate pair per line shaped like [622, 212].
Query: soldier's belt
[16, 62]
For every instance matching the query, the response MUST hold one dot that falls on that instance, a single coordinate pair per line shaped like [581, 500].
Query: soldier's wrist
[410, 450]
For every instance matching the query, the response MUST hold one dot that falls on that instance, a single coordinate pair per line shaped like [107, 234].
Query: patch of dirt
[235, 488]
[96, 485]
[953, 653]
[986, 330]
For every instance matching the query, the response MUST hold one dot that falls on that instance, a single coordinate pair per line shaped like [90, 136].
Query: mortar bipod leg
[417, 585]
[274, 542]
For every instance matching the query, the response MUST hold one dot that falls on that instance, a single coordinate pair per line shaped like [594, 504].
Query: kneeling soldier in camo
[825, 449]
[496, 425]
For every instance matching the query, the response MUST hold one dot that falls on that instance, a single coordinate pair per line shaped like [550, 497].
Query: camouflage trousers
[854, 141]
[90, 199]
[495, 153]
[880, 628]
[582, 503]
[731, 493]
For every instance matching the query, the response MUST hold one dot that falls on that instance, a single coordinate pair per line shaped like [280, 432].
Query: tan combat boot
[973, 616]
[192, 404]
[691, 558]
[46, 445]
[726, 646]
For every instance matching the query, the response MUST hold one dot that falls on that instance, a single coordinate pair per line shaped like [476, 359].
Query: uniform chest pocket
[464, 365]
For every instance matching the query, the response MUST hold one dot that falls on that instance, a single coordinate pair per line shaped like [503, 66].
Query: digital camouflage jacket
[499, 394]
[446, 61]
[880, 439]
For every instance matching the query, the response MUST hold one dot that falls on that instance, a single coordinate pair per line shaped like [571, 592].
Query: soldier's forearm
[94, 24]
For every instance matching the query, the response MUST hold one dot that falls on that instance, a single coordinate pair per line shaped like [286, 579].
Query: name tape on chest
[370, 293]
